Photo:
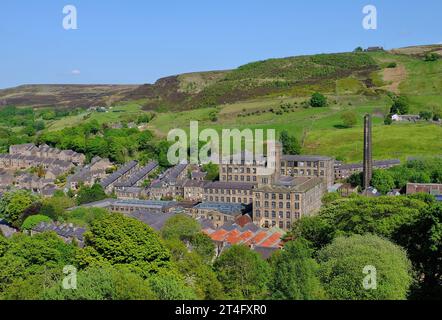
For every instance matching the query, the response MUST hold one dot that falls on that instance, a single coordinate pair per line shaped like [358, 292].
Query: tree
[26, 256]
[342, 265]
[383, 216]
[56, 206]
[318, 100]
[426, 115]
[213, 116]
[212, 171]
[144, 140]
[105, 283]
[358, 49]
[330, 197]
[119, 240]
[204, 247]
[243, 273]
[33, 221]
[422, 239]
[200, 276]
[388, 120]
[432, 56]
[383, 181]
[294, 273]
[349, 118]
[90, 194]
[180, 227]
[289, 143]
[14, 206]
[168, 285]
[400, 105]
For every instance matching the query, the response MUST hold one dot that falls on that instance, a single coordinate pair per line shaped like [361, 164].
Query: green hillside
[274, 94]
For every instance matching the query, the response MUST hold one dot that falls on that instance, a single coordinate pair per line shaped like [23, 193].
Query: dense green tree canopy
[342, 265]
[15, 206]
[294, 273]
[180, 227]
[290, 144]
[422, 239]
[26, 256]
[105, 283]
[119, 240]
[243, 273]
[318, 100]
[90, 194]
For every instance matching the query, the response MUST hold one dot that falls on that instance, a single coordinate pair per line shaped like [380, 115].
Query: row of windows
[228, 191]
[302, 164]
[288, 215]
[302, 172]
[274, 205]
[267, 224]
[239, 170]
[275, 196]
[228, 199]
[239, 178]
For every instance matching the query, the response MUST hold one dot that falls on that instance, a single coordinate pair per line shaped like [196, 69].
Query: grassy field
[118, 113]
[396, 141]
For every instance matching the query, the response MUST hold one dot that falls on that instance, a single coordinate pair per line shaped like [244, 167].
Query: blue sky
[139, 41]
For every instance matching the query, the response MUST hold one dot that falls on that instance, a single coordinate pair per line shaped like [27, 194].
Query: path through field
[394, 76]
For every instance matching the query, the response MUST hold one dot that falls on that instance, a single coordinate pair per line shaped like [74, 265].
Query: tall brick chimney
[368, 155]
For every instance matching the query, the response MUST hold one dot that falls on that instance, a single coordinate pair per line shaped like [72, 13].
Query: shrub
[318, 100]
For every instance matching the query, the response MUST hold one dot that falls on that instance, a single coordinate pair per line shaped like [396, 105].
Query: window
[288, 224]
[281, 215]
[287, 215]
[281, 196]
[281, 205]
[266, 204]
[274, 214]
[273, 196]
[297, 205]
[266, 214]
[258, 213]
[281, 225]
[287, 196]
[287, 205]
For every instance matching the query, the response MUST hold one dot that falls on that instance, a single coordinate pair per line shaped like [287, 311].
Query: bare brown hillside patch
[394, 77]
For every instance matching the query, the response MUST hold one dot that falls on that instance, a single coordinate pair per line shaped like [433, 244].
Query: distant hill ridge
[291, 75]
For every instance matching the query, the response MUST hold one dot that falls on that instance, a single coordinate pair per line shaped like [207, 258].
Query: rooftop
[226, 208]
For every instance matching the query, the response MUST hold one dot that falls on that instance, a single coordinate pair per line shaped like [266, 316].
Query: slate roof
[64, 230]
[119, 173]
[232, 209]
[154, 219]
[137, 176]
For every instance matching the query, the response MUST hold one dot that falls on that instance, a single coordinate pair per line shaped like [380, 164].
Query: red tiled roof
[258, 238]
[218, 235]
[232, 235]
[246, 236]
[272, 241]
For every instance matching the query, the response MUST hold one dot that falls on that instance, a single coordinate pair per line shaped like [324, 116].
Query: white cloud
[76, 72]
